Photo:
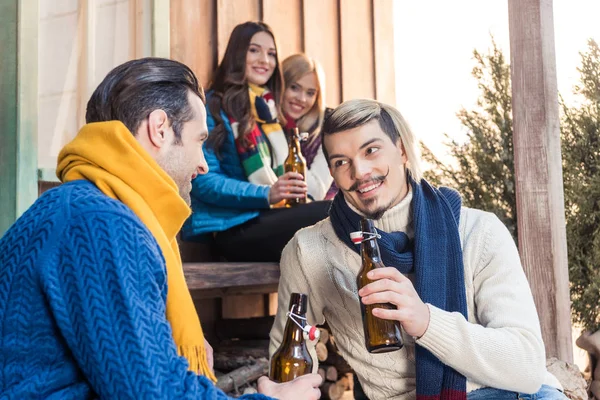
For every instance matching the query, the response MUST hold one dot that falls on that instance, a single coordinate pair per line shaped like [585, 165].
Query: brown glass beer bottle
[381, 335]
[292, 358]
[295, 162]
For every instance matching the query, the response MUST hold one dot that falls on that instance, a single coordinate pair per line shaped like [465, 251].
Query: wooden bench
[219, 279]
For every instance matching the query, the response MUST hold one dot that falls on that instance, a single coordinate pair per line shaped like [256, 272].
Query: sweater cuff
[441, 335]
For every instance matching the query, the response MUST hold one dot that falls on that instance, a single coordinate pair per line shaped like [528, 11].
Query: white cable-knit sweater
[499, 346]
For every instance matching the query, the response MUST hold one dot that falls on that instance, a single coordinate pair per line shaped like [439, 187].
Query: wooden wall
[353, 40]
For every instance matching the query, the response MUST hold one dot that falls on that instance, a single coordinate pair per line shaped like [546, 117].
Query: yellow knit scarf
[109, 156]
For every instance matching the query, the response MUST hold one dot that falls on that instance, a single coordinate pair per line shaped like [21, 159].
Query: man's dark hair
[131, 91]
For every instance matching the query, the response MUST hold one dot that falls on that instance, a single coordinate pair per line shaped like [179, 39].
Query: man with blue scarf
[470, 326]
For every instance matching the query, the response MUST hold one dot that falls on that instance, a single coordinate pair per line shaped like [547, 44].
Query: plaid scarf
[435, 257]
[264, 149]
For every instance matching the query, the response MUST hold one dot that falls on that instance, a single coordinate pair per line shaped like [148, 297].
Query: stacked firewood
[336, 373]
[242, 356]
[239, 363]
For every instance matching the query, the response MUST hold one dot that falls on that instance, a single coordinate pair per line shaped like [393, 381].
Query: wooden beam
[220, 275]
[140, 31]
[197, 20]
[321, 19]
[383, 46]
[231, 13]
[356, 27]
[538, 169]
[285, 18]
[86, 68]
[161, 44]
[19, 21]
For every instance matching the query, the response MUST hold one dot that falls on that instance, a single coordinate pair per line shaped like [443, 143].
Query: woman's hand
[390, 286]
[290, 185]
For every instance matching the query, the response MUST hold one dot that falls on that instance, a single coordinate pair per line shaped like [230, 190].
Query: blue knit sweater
[82, 305]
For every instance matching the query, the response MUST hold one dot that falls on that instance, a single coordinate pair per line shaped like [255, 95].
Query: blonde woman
[304, 107]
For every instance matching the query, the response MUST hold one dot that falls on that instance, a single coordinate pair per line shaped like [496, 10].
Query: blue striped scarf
[435, 257]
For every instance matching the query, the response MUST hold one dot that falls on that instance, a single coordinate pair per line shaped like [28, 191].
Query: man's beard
[378, 213]
[375, 215]
[184, 192]
[172, 164]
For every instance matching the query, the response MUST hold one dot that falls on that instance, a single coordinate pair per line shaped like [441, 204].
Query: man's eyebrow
[369, 142]
[365, 144]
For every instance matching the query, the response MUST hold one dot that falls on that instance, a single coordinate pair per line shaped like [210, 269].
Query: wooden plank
[194, 19]
[209, 312]
[285, 18]
[248, 328]
[8, 113]
[47, 175]
[233, 291]
[231, 13]
[322, 42]
[161, 45]
[538, 169]
[19, 22]
[27, 155]
[204, 276]
[356, 27]
[273, 301]
[385, 75]
[86, 27]
[243, 306]
[140, 12]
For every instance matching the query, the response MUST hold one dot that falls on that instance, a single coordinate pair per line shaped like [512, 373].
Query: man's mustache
[375, 179]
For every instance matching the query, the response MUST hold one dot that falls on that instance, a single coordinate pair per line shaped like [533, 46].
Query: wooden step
[218, 279]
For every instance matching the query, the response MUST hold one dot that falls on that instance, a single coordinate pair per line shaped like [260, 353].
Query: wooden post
[538, 169]
[18, 108]
[161, 45]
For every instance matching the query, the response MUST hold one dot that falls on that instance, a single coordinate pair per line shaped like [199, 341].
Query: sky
[434, 42]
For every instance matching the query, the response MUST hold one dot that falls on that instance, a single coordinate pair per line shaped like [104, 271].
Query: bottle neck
[294, 140]
[369, 245]
[296, 318]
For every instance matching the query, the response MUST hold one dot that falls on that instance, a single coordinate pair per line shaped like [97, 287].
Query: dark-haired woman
[236, 201]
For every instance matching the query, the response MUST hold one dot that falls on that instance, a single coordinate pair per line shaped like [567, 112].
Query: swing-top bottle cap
[356, 237]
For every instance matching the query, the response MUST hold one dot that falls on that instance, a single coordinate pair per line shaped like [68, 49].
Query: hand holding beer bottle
[292, 358]
[387, 296]
[381, 336]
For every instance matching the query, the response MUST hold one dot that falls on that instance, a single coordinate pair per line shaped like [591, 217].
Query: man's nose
[203, 166]
[361, 170]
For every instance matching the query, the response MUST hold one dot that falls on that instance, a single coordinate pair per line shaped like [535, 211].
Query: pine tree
[580, 131]
[484, 171]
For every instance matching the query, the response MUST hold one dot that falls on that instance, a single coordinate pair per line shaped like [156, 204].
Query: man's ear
[158, 129]
[402, 150]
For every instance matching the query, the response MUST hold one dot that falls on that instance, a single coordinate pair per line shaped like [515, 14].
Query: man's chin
[372, 208]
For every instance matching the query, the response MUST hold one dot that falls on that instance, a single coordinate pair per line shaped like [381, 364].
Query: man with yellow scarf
[93, 301]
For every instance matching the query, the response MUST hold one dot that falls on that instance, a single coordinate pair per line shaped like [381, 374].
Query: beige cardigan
[499, 346]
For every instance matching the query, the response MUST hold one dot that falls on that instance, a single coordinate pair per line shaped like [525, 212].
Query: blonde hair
[354, 113]
[294, 68]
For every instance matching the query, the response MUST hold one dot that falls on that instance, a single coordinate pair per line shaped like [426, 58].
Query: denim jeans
[545, 393]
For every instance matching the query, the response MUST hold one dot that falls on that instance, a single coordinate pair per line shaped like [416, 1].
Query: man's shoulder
[319, 232]
[313, 242]
[83, 197]
[478, 227]
[473, 219]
